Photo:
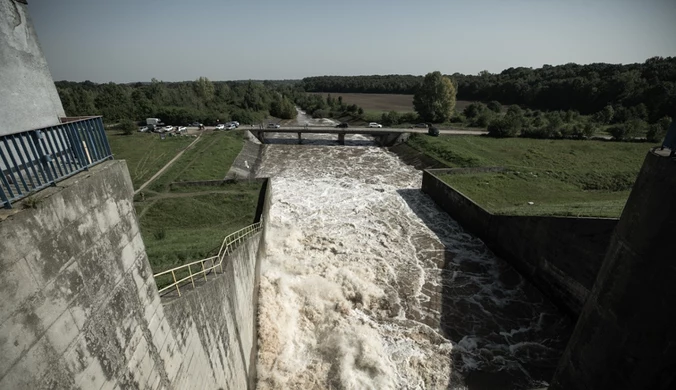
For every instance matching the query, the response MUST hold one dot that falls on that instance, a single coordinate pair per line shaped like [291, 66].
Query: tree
[434, 101]
[204, 88]
[494, 106]
[127, 126]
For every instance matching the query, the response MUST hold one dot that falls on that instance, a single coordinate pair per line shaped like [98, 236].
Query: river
[367, 284]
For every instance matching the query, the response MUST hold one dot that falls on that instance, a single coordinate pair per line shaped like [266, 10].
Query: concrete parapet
[625, 337]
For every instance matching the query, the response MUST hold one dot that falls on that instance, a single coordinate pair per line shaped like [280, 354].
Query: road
[361, 130]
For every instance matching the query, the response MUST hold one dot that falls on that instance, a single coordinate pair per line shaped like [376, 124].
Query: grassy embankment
[560, 177]
[184, 224]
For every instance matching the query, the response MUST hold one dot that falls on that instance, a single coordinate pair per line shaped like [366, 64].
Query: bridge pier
[341, 138]
[300, 139]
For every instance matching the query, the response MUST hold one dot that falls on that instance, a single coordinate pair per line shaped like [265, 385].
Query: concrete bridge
[384, 136]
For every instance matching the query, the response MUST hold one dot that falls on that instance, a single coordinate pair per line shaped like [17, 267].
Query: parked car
[195, 124]
[375, 125]
[182, 129]
[343, 125]
[168, 128]
[421, 125]
[143, 129]
[273, 126]
[220, 126]
[433, 131]
[230, 126]
[235, 123]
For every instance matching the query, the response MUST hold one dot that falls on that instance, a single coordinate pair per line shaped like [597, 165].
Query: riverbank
[542, 177]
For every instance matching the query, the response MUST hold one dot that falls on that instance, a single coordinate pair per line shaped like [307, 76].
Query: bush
[657, 131]
[457, 118]
[504, 127]
[127, 126]
[537, 132]
[626, 131]
[494, 106]
[483, 120]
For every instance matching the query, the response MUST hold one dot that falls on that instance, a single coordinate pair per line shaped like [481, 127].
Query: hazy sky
[136, 40]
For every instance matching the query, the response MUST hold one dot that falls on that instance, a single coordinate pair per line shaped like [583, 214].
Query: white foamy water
[366, 284]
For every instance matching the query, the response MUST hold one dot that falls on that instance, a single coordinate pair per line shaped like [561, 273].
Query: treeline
[644, 91]
[179, 102]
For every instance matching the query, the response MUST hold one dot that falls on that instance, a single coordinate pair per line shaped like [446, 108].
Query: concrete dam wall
[29, 97]
[560, 255]
[80, 307]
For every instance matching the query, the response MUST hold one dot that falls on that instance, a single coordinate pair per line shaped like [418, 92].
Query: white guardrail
[184, 274]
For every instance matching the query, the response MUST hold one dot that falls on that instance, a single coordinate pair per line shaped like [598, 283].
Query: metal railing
[184, 274]
[35, 159]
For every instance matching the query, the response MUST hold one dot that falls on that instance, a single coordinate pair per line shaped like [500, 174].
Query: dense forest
[644, 91]
[180, 102]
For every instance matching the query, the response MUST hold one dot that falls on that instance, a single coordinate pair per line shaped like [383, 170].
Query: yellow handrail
[230, 242]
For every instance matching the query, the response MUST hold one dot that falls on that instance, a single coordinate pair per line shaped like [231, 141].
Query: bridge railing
[35, 159]
[185, 274]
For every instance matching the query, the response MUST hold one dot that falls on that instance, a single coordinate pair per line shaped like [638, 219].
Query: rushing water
[367, 284]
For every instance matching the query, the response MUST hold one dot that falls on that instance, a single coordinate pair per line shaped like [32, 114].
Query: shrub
[629, 130]
[494, 106]
[483, 120]
[503, 127]
[457, 118]
[127, 126]
[537, 132]
[657, 131]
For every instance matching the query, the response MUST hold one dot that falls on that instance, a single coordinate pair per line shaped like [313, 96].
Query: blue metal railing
[35, 159]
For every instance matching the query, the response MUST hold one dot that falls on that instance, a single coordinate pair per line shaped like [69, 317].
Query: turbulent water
[367, 284]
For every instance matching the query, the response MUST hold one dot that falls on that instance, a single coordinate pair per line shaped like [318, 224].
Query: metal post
[175, 284]
[191, 279]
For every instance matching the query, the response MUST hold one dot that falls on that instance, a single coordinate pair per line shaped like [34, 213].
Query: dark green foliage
[507, 126]
[390, 118]
[178, 103]
[627, 131]
[587, 89]
[657, 131]
[434, 101]
[127, 126]
[494, 106]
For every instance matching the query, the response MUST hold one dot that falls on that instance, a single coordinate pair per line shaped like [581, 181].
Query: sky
[174, 40]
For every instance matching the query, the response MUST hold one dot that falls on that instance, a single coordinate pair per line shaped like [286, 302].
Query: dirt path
[164, 168]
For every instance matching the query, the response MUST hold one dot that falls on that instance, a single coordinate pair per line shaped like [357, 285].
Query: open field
[190, 223]
[209, 159]
[187, 228]
[561, 177]
[145, 153]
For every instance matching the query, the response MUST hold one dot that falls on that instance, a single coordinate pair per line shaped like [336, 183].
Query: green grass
[561, 177]
[208, 159]
[179, 230]
[145, 153]
[188, 223]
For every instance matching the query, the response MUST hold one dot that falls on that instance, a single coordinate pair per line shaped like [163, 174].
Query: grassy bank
[208, 159]
[188, 223]
[181, 229]
[560, 177]
[145, 153]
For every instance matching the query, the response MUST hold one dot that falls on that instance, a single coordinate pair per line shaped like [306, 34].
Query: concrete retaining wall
[80, 307]
[625, 337]
[560, 255]
[27, 92]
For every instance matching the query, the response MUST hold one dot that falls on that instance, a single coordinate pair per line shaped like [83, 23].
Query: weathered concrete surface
[626, 335]
[28, 97]
[80, 307]
[246, 162]
[560, 255]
